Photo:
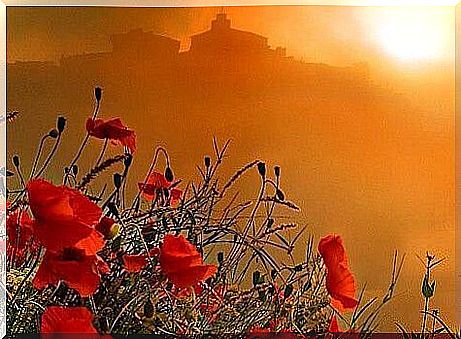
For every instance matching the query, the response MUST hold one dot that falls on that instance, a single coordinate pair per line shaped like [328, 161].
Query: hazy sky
[330, 34]
[376, 166]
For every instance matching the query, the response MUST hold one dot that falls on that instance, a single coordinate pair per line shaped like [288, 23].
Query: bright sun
[413, 36]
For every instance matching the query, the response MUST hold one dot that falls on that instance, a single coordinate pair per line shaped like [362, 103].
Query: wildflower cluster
[177, 259]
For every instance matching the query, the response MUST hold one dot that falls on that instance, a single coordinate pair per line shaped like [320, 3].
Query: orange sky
[375, 165]
[330, 34]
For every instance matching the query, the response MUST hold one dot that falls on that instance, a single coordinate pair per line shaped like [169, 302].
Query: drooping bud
[74, 169]
[280, 195]
[262, 169]
[53, 133]
[98, 93]
[16, 160]
[61, 124]
[169, 174]
[277, 171]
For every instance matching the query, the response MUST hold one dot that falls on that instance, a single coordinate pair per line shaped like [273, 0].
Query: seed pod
[207, 162]
[149, 309]
[61, 124]
[98, 93]
[277, 171]
[74, 169]
[169, 174]
[117, 180]
[16, 161]
[53, 133]
[262, 169]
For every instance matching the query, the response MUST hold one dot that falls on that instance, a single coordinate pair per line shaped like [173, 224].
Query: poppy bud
[273, 274]
[166, 193]
[74, 169]
[262, 169]
[256, 277]
[149, 309]
[270, 223]
[220, 257]
[127, 161]
[117, 180]
[280, 195]
[427, 289]
[61, 124]
[9, 173]
[98, 93]
[66, 169]
[288, 290]
[113, 209]
[207, 162]
[53, 133]
[235, 238]
[169, 174]
[16, 160]
[277, 171]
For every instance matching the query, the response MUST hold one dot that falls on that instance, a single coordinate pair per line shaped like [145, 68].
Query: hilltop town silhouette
[220, 53]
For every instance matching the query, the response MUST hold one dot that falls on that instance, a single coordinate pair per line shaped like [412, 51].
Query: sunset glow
[413, 36]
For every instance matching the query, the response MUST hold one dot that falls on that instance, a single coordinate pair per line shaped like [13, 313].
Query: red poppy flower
[114, 130]
[340, 282]
[19, 236]
[64, 217]
[79, 271]
[134, 263]
[181, 262]
[157, 182]
[58, 319]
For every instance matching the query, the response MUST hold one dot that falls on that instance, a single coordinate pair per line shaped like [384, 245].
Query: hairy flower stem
[82, 146]
[50, 156]
[101, 155]
[37, 156]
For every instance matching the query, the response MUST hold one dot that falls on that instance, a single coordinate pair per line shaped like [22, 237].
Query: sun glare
[413, 36]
